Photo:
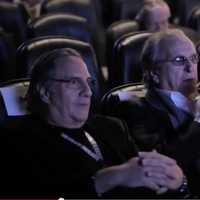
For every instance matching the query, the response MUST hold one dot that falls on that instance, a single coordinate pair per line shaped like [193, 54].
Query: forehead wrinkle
[68, 65]
[175, 45]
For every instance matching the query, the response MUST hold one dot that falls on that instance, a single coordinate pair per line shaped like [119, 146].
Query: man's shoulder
[20, 125]
[113, 130]
[104, 121]
[108, 126]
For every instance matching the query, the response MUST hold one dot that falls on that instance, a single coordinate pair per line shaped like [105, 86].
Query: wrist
[184, 189]
[108, 178]
[184, 185]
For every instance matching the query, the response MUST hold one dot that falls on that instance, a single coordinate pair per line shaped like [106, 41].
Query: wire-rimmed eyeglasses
[181, 60]
[75, 82]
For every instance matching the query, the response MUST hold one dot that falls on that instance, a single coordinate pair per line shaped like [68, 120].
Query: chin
[189, 89]
[82, 117]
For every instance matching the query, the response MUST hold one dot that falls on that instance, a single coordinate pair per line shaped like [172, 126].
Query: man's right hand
[150, 169]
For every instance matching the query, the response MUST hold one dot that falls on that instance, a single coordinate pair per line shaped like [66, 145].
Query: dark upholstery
[7, 57]
[30, 51]
[114, 32]
[194, 20]
[191, 33]
[124, 9]
[12, 19]
[184, 9]
[72, 26]
[131, 92]
[126, 59]
[86, 9]
[13, 102]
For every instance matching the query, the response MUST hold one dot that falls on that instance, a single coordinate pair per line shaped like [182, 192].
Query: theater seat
[83, 8]
[13, 102]
[7, 57]
[126, 67]
[124, 9]
[31, 50]
[194, 19]
[72, 26]
[12, 19]
[125, 92]
[184, 10]
[113, 33]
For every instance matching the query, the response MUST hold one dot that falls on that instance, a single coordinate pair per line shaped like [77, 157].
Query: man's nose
[188, 66]
[87, 90]
[191, 70]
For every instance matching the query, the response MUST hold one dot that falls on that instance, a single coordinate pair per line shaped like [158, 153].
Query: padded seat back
[72, 26]
[126, 67]
[12, 19]
[83, 8]
[125, 92]
[114, 32]
[7, 57]
[125, 9]
[13, 102]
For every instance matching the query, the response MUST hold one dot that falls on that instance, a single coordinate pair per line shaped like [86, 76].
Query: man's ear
[44, 93]
[155, 77]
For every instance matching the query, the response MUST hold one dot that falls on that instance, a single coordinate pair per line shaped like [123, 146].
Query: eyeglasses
[181, 60]
[75, 82]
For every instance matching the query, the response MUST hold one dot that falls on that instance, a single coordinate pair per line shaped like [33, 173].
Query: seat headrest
[13, 96]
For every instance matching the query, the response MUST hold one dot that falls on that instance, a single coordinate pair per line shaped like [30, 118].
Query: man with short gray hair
[168, 117]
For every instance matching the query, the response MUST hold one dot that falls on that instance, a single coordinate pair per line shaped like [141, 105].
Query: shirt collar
[177, 98]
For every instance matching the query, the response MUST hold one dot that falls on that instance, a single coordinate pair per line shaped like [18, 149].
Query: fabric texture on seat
[72, 26]
[125, 92]
[126, 67]
[13, 20]
[114, 32]
[83, 8]
[7, 57]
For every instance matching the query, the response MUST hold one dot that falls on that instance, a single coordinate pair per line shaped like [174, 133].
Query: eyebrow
[69, 77]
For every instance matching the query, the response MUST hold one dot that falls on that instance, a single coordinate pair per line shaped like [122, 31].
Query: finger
[156, 184]
[174, 172]
[171, 172]
[152, 172]
[166, 182]
[162, 190]
[151, 185]
[155, 155]
[155, 163]
[161, 182]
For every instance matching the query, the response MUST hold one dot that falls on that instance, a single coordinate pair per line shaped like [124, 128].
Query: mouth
[84, 104]
[190, 81]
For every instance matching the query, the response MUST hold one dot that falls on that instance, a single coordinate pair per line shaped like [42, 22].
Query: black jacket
[151, 127]
[37, 162]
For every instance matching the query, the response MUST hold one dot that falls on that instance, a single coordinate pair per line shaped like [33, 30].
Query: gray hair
[43, 68]
[155, 49]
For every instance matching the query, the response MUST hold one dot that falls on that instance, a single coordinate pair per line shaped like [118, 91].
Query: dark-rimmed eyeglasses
[75, 82]
[181, 60]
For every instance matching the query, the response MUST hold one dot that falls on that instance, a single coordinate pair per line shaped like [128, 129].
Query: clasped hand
[153, 170]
